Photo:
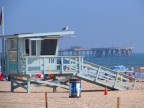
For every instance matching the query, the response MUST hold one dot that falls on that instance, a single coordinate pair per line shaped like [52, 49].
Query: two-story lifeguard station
[29, 54]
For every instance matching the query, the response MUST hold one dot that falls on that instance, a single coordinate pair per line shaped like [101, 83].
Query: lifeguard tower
[29, 54]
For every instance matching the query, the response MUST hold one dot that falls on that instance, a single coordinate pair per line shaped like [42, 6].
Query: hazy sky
[97, 23]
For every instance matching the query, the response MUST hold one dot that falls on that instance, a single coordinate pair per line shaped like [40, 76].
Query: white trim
[36, 39]
[50, 34]
[30, 48]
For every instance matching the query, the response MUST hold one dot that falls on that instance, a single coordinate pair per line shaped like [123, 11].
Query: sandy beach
[92, 96]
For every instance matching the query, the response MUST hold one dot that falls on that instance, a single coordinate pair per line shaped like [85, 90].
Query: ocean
[135, 60]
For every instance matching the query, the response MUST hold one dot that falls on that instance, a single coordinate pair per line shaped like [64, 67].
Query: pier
[98, 52]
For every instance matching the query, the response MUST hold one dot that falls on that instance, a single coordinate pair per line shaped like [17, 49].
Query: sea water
[135, 60]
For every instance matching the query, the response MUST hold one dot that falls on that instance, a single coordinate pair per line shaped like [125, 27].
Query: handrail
[63, 62]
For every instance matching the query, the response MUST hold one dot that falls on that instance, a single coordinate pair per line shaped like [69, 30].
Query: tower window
[48, 46]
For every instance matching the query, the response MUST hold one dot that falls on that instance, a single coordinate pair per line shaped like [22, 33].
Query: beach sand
[92, 96]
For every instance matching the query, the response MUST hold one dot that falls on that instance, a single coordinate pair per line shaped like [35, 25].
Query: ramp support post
[54, 87]
[12, 85]
[28, 84]
[116, 79]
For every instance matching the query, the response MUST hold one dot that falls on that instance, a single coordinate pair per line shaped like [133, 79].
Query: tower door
[12, 56]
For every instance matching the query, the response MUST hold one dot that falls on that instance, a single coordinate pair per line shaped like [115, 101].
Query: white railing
[107, 76]
[53, 64]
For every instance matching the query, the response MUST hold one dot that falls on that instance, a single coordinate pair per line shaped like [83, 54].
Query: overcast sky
[97, 23]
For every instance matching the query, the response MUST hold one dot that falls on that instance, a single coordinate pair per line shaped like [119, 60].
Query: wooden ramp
[104, 77]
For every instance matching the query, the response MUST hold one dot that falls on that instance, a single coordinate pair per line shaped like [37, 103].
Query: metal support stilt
[28, 85]
[54, 87]
[12, 85]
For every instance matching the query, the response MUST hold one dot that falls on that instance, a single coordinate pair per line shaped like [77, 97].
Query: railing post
[26, 65]
[79, 64]
[70, 63]
[116, 79]
[61, 65]
[82, 63]
[97, 74]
